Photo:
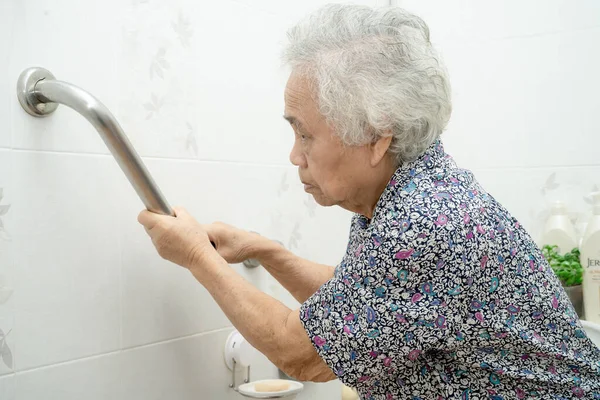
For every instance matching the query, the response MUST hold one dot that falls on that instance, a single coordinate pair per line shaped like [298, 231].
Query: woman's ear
[379, 149]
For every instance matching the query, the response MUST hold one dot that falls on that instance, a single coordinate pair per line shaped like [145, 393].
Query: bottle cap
[558, 208]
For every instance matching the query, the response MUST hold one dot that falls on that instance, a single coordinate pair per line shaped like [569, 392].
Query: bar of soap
[271, 386]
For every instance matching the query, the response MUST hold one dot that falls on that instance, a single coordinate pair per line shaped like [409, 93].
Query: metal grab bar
[40, 94]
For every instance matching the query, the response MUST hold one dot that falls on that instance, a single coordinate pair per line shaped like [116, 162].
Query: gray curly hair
[374, 73]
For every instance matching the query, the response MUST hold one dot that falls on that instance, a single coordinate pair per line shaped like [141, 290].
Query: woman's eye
[301, 136]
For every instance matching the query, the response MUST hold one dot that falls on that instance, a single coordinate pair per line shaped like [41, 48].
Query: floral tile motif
[3, 210]
[6, 355]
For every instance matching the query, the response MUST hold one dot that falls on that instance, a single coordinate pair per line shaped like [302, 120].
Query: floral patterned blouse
[444, 295]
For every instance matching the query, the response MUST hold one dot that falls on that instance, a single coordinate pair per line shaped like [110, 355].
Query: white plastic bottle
[584, 218]
[590, 261]
[559, 230]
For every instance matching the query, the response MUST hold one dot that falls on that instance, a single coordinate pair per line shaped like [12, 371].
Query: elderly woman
[441, 293]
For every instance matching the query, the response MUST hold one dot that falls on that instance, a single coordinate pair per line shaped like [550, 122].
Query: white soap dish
[248, 390]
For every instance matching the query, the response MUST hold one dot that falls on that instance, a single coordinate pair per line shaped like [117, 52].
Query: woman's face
[331, 172]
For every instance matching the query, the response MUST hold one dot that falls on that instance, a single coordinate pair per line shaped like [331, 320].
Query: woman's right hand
[233, 244]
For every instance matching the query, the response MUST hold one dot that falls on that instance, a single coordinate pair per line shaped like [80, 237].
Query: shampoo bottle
[590, 261]
[559, 230]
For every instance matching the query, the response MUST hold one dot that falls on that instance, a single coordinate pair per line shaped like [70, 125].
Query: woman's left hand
[180, 239]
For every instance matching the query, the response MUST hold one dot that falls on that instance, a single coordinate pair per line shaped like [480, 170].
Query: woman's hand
[180, 239]
[233, 244]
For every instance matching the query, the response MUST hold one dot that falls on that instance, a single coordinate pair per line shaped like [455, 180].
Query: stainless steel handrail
[40, 94]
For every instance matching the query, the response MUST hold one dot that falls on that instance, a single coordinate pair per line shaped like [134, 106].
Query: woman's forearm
[299, 276]
[260, 318]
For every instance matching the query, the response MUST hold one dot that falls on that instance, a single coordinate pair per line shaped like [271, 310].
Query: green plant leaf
[567, 267]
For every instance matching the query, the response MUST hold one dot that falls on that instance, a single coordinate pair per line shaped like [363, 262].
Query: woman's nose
[296, 157]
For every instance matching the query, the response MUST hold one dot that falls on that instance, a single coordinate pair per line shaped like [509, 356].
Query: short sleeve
[380, 312]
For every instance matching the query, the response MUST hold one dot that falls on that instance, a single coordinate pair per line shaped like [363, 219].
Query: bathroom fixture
[238, 352]
[249, 390]
[39, 94]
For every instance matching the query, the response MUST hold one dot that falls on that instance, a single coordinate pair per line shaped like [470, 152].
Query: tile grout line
[191, 160]
[547, 33]
[275, 165]
[8, 375]
[495, 39]
[122, 350]
[175, 339]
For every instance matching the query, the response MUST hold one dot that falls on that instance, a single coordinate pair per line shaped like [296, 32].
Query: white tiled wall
[6, 21]
[87, 308]
[7, 278]
[66, 243]
[81, 52]
[525, 96]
